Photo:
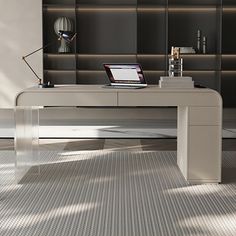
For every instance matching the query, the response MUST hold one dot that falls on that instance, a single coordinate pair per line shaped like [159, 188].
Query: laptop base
[122, 86]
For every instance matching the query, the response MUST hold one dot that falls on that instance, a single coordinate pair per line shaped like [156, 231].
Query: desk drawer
[204, 116]
[68, 99]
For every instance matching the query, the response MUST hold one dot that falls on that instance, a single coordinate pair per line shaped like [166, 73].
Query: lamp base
[46, 85]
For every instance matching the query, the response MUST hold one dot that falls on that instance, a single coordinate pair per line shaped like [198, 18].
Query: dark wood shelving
[143, 31]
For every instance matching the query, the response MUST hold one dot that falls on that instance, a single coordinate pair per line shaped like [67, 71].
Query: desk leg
[26, 140]
[199, 144]
[182, 140]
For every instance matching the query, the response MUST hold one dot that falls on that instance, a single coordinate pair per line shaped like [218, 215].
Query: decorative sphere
[63, 23]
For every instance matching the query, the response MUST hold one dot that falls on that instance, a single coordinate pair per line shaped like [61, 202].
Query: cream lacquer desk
[199, 122]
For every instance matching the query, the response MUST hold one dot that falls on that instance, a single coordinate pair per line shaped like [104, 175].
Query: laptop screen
[128, 74]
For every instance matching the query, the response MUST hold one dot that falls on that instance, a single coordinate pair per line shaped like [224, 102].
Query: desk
[199, 122]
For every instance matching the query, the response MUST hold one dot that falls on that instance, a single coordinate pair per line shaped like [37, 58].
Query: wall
[21, 33]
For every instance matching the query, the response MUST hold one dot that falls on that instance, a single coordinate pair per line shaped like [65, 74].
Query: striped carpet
[104, 193]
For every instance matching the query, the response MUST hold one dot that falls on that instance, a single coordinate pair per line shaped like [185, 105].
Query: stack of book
[176, 82]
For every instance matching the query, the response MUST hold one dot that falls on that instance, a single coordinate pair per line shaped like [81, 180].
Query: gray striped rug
[118, 194]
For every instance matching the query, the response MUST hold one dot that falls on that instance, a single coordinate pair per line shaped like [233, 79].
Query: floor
[98, 144]
[118, 129]
[115, 187]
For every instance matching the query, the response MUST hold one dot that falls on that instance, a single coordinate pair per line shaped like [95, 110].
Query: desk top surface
[97, 95]
[101, 88]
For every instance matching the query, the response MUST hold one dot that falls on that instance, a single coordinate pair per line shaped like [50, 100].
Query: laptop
[125, 75]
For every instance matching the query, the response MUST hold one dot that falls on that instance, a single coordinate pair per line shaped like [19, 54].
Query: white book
[177, 82]
[188, 84]
[176, 78]
[177, 87]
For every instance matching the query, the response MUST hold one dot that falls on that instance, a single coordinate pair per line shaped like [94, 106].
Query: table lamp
[64, 24]
[68, 36]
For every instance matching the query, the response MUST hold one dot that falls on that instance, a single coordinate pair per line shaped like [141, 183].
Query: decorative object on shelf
[63, 35]
[199, 41]
[63, 24]
[204, 44]
[177, 82]
[175, 63]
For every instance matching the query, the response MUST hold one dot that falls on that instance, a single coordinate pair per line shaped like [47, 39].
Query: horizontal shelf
[229, 71]
[151, 9]
[88, 55]
[59, 55]
[147, 71]
[200, 55]
[151, 55]
[90, 71]
[93, 71]
[228, 55]
[154, 71]
[138, 55]
[59, 71]
[106, 8]
[201, 71]
[229, 9]
[58, 7]
[108, 4]
[104, 55]
[92, 8]
[192, 9]
[87, 7]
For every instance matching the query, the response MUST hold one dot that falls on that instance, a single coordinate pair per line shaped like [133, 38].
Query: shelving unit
[143, 31]
[193, 16]
[228, 76]
[152, 38]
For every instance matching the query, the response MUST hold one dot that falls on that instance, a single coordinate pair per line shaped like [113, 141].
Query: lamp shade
[63, 24]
